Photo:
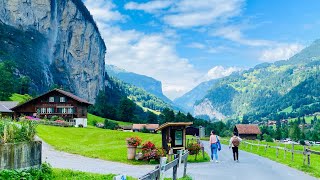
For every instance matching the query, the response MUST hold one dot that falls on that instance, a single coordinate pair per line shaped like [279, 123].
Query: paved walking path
[251, 167]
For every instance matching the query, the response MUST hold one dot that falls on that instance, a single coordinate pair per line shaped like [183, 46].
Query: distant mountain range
[147, 83]
[187, 101]
[287, 86]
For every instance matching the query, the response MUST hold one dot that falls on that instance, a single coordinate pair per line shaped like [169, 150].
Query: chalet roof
[174, 124]
[126, 127]
[248, 129]
[148, 126]
[5, 106]
[68, 94]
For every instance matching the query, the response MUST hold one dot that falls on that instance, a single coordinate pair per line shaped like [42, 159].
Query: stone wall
[20, 155]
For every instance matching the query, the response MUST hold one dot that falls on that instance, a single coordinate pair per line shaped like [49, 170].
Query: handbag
[218, 144]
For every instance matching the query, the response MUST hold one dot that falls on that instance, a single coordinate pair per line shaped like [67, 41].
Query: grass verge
[66, 174]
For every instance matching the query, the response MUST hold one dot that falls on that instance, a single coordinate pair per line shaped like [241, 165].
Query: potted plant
[132, 144]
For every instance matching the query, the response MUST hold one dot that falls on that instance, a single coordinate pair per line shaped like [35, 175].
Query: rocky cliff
[72, 50]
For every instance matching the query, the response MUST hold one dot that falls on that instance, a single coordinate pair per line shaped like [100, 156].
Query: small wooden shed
[247, 131]
[174, 135]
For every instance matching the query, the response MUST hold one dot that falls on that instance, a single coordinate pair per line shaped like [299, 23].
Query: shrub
[302, 142]
[150, 151]
[145, 130]
[80, 126]
[44, 172]
[134, 141]
[11, 132]
[110, 125]
[267, 137]
[54, 118]
[193, 148]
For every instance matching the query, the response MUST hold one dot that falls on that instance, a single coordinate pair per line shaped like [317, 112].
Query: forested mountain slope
[268, 88]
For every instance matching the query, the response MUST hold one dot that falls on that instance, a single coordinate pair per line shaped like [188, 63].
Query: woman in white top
[214, 146]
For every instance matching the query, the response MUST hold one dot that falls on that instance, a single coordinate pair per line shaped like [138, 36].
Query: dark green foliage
[152, 118]
[140, 96]
[42, 173]
[110, 125]
[126, 110]
[145, 130]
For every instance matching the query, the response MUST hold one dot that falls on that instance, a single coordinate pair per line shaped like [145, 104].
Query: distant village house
[150, 127]
[247, 131]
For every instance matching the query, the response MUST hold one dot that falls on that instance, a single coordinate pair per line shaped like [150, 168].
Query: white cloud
[187, 13]
[103, 11]
[234, 33]
[196, 45]
[150, 7]
[149, 54]
[220, 72]
[280, 52]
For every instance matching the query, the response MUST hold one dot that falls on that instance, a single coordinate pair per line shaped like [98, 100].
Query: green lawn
[93, 142]
[297, 163]
[66, 174]
[92, 118]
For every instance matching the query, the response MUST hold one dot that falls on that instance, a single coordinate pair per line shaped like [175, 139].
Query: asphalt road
[250, 167]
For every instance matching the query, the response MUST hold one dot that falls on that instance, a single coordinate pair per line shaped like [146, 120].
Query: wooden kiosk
[174, 135]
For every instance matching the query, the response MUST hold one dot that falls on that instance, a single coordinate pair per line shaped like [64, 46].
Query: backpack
[235, 141]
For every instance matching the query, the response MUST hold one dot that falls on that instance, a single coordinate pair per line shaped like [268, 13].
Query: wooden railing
[158, 172]
[306, 151]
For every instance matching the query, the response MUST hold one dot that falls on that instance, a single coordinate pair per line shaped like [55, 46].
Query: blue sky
[185, 42]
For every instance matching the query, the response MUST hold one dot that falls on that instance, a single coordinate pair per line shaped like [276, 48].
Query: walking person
[214, 146]
[234, 144]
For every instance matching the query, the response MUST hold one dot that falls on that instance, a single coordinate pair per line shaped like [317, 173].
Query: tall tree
[126, 109]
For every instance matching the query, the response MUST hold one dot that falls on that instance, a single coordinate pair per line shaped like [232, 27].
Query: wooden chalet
[174, 135]
[247, 131]
[56, 102]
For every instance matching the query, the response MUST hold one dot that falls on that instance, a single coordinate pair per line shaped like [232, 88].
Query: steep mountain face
[54, 42]
[149, 84]
[263, 90]
[188, 100]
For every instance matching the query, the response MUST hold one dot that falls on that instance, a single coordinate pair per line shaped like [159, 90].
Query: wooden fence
[306, 151]
[158, 172]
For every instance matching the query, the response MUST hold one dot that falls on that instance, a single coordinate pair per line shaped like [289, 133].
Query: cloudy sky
[185, 42]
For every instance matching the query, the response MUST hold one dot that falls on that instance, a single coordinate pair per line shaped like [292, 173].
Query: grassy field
[92, 118]
[297, 163]
[66, 174]
[93, 142]
[98, 143]
[307, 118]
[20, 98]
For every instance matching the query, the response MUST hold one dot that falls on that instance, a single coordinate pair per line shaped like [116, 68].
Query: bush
[80, 126]
[150, 152]
[11, 132]
[54, 118]
[194, 148]
[302, 142]
[110, 125]
[145, 130]
[44, 172]
[267, 137]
